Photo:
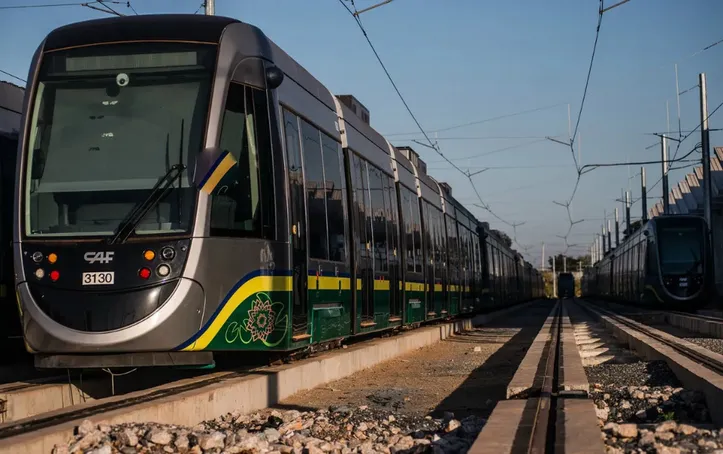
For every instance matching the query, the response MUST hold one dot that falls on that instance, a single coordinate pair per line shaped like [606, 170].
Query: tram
[185, 187]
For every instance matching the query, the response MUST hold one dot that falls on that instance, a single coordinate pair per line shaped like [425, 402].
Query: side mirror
[274, 77]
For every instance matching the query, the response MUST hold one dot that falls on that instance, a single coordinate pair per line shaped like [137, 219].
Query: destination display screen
[133, 57]
[131, 61]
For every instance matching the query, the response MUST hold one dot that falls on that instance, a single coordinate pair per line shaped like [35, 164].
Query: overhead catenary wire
[675, 159]
[54, 5]
[13, 76]
[478, 122]
[681, 140]
[47, 5]
[681, 137]
[110, 10]
[590, 167]
[98, 5]
[487, 153]
[567, 204]
[432, 145]
[691, 163]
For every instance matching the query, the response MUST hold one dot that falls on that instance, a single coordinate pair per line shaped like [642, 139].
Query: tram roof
[174, 27]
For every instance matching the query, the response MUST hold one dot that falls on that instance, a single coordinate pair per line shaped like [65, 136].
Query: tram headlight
[149, 255]
[37, 257]
[40, 273]
[54, 275]
[52, 257]
[168, 253]
[163, 270]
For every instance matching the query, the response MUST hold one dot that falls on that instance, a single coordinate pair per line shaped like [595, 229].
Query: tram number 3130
[99, 278]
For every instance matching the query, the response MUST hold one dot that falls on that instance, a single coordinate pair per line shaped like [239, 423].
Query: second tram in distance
[666, 264]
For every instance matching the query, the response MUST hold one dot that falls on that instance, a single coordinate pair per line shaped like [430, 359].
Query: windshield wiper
[158, 192]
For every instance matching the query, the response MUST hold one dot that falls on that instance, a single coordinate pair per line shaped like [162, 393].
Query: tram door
[297, 223]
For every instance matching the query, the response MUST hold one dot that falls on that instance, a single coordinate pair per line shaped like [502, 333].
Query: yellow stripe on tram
[256, 285]
[218, 171]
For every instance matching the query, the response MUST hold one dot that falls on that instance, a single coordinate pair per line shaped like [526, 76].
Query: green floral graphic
[263, 318]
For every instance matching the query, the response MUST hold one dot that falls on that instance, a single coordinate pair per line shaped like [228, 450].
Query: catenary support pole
[644, 194]
[627, 211]
[617, 228]
[707, 181]
[705, 144]
[554, 278]
[664, 159]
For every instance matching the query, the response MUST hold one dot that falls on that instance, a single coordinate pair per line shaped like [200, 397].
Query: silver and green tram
[184, 187]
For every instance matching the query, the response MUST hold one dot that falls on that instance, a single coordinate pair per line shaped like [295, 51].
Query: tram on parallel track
[565, 285]
[666, 264]
[185, 187]
[10, 115]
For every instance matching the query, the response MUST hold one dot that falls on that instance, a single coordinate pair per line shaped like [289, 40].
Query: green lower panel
[415, 307]
[260, 322]
[330, 323]
[454, 304]
[381, 307]
[438, 305]
[382, 319]
[330, 314]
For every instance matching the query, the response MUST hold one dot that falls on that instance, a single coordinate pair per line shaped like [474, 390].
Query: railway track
[700, 355]
[546, 405]
[547, 409]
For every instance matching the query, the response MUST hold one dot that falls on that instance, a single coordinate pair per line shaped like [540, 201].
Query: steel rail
[543, 430]
[672, 341]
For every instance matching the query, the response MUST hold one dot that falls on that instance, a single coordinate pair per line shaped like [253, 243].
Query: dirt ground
[465, 374]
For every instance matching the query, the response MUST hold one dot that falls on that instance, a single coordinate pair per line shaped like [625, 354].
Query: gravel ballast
[713, 344]
[433, 400]
[338, 429]
[642, 407]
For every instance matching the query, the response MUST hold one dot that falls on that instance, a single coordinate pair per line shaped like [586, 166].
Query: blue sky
[465, 61]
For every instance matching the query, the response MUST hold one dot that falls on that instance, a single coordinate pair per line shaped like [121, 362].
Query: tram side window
[335, 202]
[417, 219]
[463, 257]
[358, 179]
[430, 233]
[392, 217]
[243, 208]
[440, 243]
[451, 246]
[376, 193]
[408, 217]
[315, 192]
[476, 254]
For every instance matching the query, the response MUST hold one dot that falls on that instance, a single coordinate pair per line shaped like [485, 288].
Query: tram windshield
[108, 122]
[680, 250]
